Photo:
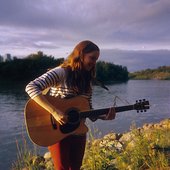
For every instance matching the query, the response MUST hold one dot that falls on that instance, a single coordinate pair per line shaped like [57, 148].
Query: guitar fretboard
[98, 112]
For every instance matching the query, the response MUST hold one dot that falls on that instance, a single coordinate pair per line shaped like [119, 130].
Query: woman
[72, 78]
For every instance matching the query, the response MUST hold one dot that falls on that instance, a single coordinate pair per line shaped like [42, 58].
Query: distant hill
[160, 73]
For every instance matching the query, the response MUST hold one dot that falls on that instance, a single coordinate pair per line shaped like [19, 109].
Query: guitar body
[43, 130]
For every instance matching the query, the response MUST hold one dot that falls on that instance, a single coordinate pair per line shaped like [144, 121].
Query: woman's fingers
[60, 117]
[111, 114]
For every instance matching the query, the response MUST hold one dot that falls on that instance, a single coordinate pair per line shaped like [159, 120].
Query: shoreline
[116, 142]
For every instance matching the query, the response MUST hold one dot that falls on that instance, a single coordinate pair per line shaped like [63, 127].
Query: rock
[163, 124]
[126, 137]
[148, 126]
[47, 155]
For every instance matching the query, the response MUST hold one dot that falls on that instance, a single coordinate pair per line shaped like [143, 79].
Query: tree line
[34, 65]
[160, 73]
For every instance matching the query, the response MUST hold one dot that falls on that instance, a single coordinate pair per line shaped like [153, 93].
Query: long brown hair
[78, 78]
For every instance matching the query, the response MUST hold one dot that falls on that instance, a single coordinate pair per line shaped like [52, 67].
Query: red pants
[68, 153]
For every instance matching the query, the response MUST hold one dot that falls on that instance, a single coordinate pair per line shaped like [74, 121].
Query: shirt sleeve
[49, 79]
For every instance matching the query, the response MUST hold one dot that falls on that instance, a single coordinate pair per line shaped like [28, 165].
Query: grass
[27, 158]
[137, 150]
[140, 151]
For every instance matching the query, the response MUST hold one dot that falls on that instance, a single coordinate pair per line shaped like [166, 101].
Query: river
[13, 99]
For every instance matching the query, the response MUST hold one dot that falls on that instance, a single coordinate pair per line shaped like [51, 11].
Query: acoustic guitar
[43, 130]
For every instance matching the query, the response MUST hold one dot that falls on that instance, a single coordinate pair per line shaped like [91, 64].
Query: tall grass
[27, 158]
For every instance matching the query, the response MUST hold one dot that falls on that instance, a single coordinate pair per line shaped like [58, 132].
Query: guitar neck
[98, 112]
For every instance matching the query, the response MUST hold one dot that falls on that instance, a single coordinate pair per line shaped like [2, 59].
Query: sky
[129, 32]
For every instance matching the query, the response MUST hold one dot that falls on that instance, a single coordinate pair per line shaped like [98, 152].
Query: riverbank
[146, 147]
[160, 73]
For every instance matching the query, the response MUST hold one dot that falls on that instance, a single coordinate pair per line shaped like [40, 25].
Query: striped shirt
[55, 81]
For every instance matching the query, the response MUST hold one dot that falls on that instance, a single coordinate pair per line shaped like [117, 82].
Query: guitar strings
[117, 98]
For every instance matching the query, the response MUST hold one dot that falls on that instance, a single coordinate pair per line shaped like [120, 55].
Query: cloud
[55, 26]
[137, 60]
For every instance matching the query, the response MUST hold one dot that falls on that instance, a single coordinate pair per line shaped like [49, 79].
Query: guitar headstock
[141, 105]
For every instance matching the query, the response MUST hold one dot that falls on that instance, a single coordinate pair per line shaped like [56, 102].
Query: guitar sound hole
[67, 128]
[73, 122]
[73, 116]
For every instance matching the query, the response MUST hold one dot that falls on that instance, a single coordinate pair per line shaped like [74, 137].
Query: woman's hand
[110, 115]
[59, 117]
